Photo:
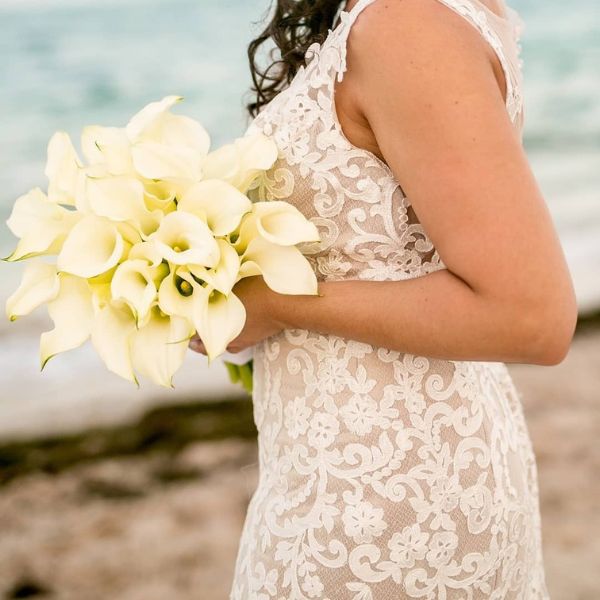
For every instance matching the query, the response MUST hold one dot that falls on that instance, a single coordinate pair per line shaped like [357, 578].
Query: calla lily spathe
[218, 203]
[135, 283]
[93, 246]
[183, 238]
[218, 318]
[165, 145]
[242, 162]
[225, 274]
[63, 169]
[159, 347]
[108, 147]
[41, 225]
[284, 268]
[40, 284]
[121, 198]
[112, 333]
[283, 224]
[72, 312]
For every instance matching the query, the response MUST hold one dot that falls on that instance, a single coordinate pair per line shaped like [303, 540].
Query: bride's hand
[259, 301]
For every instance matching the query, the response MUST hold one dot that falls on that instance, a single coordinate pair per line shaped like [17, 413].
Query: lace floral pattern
[381, 475]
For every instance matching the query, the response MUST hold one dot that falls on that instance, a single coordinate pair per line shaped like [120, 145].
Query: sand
[161, 520]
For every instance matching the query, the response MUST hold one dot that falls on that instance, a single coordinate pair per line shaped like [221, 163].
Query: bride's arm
[425, 81]
[427, 85]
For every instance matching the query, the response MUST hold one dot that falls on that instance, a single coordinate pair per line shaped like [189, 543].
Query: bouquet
[149, 236]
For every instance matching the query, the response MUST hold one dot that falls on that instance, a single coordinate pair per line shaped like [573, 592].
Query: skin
[426, 93]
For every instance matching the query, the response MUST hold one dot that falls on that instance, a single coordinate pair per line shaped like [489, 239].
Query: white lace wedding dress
[383, 475]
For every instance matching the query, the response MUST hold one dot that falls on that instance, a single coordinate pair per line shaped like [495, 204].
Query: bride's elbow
[549, 331]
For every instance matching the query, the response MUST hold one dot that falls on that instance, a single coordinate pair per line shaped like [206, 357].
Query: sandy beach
[154, 511]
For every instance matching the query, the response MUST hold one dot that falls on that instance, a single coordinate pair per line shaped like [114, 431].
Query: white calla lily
[156, 123]
[165, 145]
[159, 161]
[148, 121]
[100, 286]
[218, 321]
[245, 233]
[147, 251]
[121, 198]
[72, 312]
[134, 282]
[178, 292]
[283, 224]
[161, 195]
[218, 318]
[39, 284]
[41, 225]
[183, 238]
[284, 268]
[220, 204]
[107, 146]
[224, 275]
[63, 169]
[242, 162]
[159, 347]
[112, 336]
[92, 247]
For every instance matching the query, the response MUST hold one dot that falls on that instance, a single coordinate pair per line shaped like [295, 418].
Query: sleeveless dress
[382, 475]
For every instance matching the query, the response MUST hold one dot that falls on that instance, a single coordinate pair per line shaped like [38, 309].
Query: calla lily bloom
[41, 225]
[135, 282]
[159, 347]
[242, 162]
[284, 268]
[283, 224]
[183, 238]
[159, 195]
[109, 147]
[224, 275]
[165, 145]
[72, 312]
[218, 321]
[121, 198]
[63, 169]
[147, 251]
[93, 246]
[178, 292]
[218, 203]
[100, 286]
[218, 318]
[112, 336]
[39, 284]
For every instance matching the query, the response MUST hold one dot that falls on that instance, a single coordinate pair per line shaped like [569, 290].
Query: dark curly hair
[295, 25]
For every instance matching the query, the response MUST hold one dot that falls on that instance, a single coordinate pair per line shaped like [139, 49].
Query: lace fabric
[382, 475]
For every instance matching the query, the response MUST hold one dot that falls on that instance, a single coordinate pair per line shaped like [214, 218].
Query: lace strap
[467, 9]
[346, 20]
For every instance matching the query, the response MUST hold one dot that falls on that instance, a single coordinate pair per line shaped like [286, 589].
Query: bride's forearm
[437, 315]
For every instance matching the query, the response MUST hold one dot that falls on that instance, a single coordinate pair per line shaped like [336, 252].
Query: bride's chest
[367, 226]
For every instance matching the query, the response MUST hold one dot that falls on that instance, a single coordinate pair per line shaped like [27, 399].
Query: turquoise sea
[68, 63]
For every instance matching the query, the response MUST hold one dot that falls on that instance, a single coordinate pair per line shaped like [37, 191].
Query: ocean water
[68, 63]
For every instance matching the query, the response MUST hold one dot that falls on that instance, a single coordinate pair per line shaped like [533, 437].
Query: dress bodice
[367, 225]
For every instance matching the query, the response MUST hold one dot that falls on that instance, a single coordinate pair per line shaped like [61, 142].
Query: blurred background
[107, 491]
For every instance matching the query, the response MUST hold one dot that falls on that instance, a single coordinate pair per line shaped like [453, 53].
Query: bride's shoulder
[399, 41]
[393, 28]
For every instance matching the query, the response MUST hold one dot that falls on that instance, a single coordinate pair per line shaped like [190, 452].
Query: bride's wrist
[286, 310]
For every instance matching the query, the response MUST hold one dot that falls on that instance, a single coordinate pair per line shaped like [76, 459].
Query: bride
[394, 458]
